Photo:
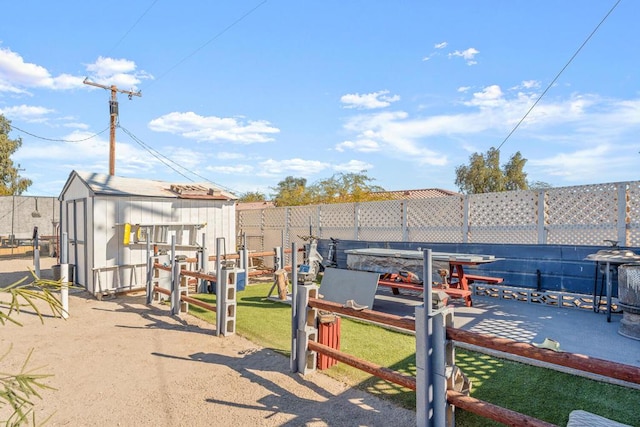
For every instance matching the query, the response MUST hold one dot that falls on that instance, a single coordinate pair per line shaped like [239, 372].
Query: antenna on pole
[113, 113]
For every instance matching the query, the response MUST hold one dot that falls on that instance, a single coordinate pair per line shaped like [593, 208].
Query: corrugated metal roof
[120, 186]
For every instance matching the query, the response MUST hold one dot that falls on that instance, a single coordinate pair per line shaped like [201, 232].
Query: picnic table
[383, 260]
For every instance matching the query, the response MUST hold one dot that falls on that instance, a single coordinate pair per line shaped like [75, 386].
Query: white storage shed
[109, 219]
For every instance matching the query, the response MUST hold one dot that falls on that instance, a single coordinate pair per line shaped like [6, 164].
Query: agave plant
[19, 390]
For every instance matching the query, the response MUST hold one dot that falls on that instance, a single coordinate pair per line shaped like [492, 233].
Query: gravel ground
[119, 362]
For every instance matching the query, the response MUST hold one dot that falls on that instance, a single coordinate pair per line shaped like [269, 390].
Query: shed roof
[119, 186]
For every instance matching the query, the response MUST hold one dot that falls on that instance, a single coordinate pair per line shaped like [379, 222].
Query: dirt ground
[119, 362]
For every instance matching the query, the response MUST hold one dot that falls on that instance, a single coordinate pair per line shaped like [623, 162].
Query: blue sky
[245, 93]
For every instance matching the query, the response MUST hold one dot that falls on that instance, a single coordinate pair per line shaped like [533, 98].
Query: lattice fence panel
[383, 234]
[250, 218]
[303, 216]
[435, 212]
[436, 235]
[341, 233]
[254, 242]
[382, 214]
[275, 217]
[633, 214]
[507, 208]
[505, 217]
[504, 234]
[438, 219]
[380, 221]
[337, 216]
[296, 235]
[581, 215]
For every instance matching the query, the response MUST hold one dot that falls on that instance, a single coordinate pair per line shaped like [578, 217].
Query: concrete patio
[577, 330]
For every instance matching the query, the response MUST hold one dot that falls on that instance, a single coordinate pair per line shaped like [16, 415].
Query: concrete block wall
[542, 267]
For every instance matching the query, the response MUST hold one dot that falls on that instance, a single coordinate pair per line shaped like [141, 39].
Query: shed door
[76, 224]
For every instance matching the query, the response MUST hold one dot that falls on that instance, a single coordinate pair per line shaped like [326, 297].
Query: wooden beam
[570, 360]
[371, 315]
[493, 412]
[198, 303]
[364, 365]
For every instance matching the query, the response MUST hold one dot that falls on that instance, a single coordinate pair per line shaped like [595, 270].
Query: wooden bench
[475, 278]
[452, 292]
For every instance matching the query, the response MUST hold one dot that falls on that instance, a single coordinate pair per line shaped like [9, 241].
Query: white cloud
[362, 145]
[468, 55]
[25, 112]
[368, 101]
[396, 136]
[232, 169]
[353, 166]
[120, 72]
[193, 126]
[491, 112]
[602, 162]
[17, 76]
[530, 84]
[226, 155]
[92, 154]
[491, 96]
[76, 125]
[463, 89]
[296, 166]
[437, 46]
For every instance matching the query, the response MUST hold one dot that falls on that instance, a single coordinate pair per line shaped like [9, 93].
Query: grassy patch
[539, 392]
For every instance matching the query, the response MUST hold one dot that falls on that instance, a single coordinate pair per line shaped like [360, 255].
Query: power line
[155, 153]
[558, 75]
[57, 140]
[113, 117]
[132, 27]
[227, 28]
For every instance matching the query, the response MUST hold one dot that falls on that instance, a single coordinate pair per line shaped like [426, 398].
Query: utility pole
[113, 112]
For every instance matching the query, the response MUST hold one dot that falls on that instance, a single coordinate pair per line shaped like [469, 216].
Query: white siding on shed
[110, 265]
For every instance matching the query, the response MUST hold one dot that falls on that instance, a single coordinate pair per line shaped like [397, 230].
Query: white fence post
[622, 215]
[465, 225]
[405, 227]
[542, 218]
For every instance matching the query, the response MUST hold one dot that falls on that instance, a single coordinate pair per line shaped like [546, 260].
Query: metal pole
[438, 368]
[36, 252]
[64, 275]
[425, 414]
[609, 289]
[149, 267]
[219, 283]
[175, 279]
[204, 263]
[294, 309]
[13, 215]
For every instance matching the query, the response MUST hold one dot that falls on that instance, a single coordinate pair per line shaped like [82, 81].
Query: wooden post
[113, 115]
[281, 281]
